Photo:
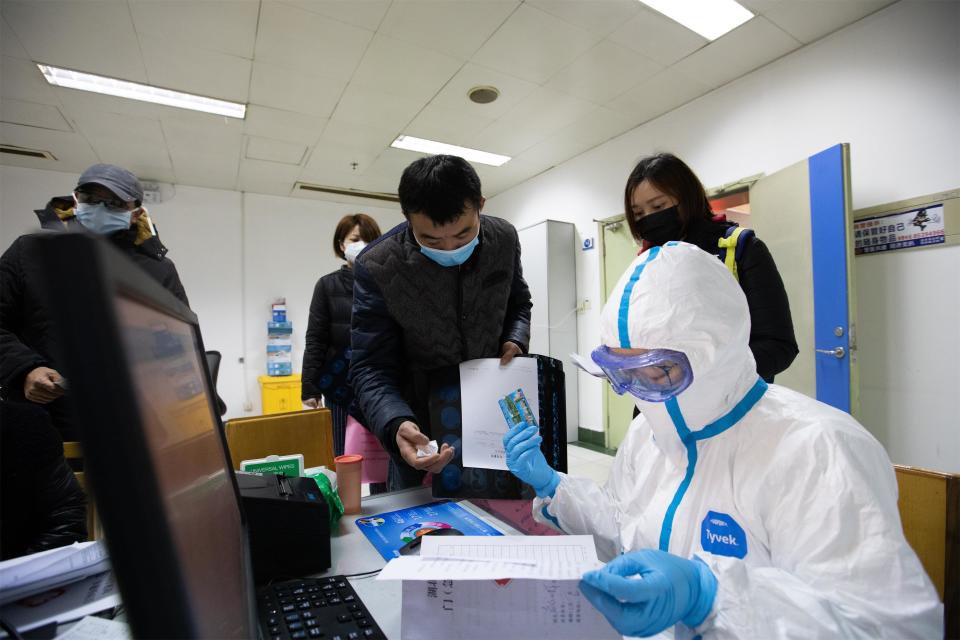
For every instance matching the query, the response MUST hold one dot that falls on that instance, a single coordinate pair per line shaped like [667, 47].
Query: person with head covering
[734, 508]
[107, 201]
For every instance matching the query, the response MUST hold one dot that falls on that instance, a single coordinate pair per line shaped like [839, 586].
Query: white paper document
[482, 383]
[493, 557]
[587, 365]
[62, 604]
[39, 571]
[468, 587]
[92, 628]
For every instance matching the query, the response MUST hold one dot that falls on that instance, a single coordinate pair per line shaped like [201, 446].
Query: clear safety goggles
[654, 376]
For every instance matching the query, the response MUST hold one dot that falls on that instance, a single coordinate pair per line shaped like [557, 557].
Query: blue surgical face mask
[451, 257]
[99, 218]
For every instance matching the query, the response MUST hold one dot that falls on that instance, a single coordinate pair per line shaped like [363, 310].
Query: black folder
[457, 481]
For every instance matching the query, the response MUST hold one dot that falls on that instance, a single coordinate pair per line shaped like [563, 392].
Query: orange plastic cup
[348, 481]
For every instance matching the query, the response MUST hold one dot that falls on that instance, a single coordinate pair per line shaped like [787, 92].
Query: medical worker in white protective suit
[746, 510]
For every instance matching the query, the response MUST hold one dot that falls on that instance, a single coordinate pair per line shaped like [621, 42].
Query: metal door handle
[837, 353]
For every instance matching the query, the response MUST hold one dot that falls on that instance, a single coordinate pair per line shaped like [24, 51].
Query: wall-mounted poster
[914, 228]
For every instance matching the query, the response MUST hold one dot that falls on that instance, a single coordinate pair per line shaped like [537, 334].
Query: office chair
[213, 365]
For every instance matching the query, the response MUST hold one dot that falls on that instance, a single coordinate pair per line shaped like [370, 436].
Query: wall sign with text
[914, 228]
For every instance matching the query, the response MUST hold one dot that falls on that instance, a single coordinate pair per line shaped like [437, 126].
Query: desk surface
[351, 553]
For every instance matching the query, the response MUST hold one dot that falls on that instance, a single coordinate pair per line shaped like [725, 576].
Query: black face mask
[660, 227]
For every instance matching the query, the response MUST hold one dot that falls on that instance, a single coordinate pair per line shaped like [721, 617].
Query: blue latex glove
[644, 592]
[526, 461]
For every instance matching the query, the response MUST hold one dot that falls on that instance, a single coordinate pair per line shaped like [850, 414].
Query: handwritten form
[448, 594]
[482, 383]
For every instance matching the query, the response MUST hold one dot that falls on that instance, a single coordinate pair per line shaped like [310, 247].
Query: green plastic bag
[334, 506]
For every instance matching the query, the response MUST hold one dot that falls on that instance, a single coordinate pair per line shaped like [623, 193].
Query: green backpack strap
[735, 238]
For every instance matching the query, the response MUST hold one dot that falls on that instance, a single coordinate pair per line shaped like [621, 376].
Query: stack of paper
[504, 587]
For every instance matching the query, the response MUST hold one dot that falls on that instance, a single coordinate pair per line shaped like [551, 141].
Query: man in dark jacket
[443, 287]
[108, 202]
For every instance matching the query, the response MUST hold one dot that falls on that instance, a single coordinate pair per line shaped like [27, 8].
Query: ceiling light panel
[143, 92]
[430, 146]
[710, 18]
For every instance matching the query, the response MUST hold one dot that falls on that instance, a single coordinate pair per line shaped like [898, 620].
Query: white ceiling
[331, 83]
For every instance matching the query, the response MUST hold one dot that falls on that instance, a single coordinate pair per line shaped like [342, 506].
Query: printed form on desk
[505, 587]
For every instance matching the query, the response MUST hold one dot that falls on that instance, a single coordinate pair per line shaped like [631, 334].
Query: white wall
[235, 253]
[889, 85]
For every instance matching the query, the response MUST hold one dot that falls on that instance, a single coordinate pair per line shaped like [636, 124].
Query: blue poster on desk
[392, 530]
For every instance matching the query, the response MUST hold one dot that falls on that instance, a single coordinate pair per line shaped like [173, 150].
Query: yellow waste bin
[280, 393]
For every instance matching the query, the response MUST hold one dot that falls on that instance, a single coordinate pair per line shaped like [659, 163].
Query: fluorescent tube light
[429, 146]
[143, 92]
[709, 18]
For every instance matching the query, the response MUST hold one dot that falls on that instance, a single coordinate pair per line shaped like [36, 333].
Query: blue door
[802, 213]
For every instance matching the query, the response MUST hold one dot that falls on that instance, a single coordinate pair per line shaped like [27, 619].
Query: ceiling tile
[276, 151]
[226, 26]
[657, 37]
[452, 126]
[385, 173]
[192, 70]
[603, 73]
[212, 170]
[534, 45]
[49, 32]
[364, 105]
[71, 150]
[9, 43]
[540, 114]
[404, 70]
[598, 126]
[653, 97]
[749, 46]
[365, 13]
[331, 164]
[283, 125]
[220, 136]
[813, 19]
[128, 141]
[601, 16]
[296, 39]
[267, 177]
[454, 95]
[552, 151]
[32, 114]
[370, 140]
[290, 90]
[20, 79]
[455, 28]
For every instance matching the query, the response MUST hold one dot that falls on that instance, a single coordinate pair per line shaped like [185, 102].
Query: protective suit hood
[681, 298]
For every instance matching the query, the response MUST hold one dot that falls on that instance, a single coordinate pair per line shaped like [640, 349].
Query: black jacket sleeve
[376, 361]
[516, 322]
[772, 340]
[317, 340]
[16, 358]
[173, 284]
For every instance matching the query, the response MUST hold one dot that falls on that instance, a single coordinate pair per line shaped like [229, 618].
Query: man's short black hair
[439, 187]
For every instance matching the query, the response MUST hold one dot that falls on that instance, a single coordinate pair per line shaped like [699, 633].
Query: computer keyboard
[325, 608]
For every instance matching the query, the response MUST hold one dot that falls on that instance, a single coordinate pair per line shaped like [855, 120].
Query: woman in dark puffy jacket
[664, 200]
[326, 355]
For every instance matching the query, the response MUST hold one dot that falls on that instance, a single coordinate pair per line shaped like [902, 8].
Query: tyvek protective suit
[791, 503]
